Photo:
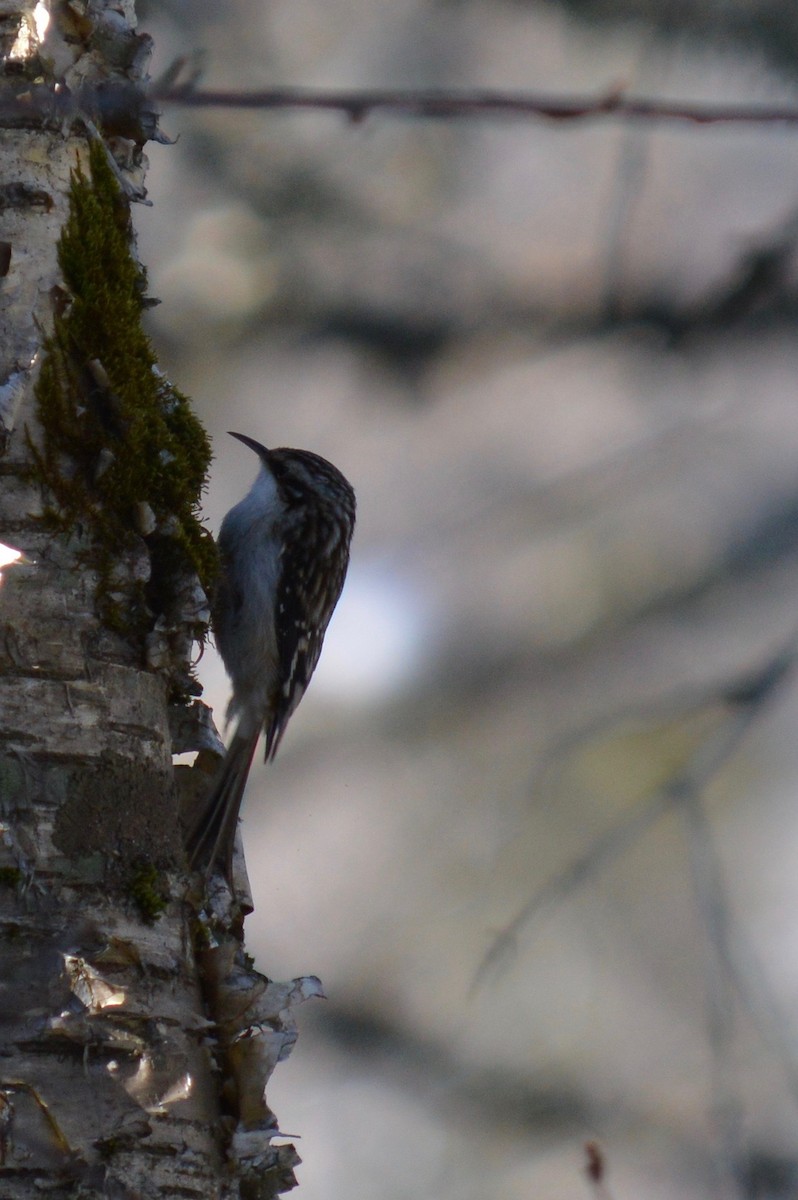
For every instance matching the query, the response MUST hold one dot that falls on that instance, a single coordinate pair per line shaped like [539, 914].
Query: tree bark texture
[130, 1065]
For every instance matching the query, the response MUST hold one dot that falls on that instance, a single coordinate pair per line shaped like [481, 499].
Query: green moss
[116, 434]
[10, 877]
[148, 891]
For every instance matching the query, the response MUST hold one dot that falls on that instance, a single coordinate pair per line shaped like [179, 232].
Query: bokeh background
[535, 824]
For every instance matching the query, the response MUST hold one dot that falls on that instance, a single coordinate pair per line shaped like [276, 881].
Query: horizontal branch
[129, 110]
[357, 105]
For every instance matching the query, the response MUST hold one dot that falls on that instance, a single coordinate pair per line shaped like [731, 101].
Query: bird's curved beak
[248, 441]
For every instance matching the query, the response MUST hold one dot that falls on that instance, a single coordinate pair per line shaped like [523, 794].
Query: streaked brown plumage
[284, 553]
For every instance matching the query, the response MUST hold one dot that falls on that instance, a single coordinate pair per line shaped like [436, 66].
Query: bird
[284, 553]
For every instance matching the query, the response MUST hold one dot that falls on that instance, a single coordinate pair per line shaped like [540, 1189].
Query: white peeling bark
[127, 1067]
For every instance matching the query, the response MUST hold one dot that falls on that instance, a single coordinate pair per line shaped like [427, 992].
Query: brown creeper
[284, 551]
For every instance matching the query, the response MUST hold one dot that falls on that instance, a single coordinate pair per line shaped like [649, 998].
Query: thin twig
[434, 102]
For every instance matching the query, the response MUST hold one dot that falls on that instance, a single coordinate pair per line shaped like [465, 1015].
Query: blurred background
[535, 823]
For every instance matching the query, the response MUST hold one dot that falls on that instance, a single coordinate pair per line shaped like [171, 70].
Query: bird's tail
[211, 838]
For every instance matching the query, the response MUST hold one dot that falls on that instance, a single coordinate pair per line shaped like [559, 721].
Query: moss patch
[122, 456]
[149, 891]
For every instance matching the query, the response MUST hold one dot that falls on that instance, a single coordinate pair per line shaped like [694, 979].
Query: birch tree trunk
[131, 1065]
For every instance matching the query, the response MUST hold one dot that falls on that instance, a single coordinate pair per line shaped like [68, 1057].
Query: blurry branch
[731, 966]
[124, 104]
[491, 1101]
[758, 286]
[496, 1099]
[735, 955]
[724, 975]
[746, 700]
[732, 963]
[760, 278]
[654, 59]
[434, 102]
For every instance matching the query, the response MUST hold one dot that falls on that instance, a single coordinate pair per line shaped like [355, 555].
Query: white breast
[250, 542]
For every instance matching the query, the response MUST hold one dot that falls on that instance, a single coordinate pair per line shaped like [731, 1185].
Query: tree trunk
[131, 1067]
